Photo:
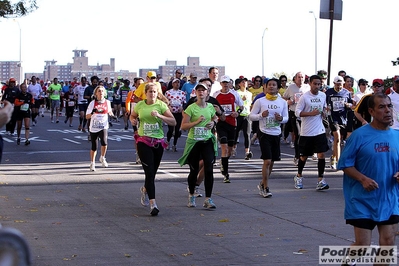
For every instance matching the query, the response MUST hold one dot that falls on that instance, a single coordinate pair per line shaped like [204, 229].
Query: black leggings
[150, 160]
[102, 135]
[294, 125]
[169, 134]
[201, 150]
[242, 124]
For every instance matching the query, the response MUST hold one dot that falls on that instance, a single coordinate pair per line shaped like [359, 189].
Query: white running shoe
[103, 162]
[92, 167]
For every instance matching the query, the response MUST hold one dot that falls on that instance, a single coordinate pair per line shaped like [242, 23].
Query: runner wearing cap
[339, 101]
[229, 100]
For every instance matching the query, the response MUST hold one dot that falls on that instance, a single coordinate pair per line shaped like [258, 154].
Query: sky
[144, 34]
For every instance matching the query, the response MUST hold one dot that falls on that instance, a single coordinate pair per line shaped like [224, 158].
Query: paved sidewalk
[87, 220]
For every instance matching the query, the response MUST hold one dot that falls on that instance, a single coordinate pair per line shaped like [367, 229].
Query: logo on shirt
[381, 147]
[316, 100]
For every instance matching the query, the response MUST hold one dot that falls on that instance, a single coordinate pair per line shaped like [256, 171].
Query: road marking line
[76, 142]
[168, 173]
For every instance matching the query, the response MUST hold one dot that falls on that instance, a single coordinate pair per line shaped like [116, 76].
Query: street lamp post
[20, 52]
[263, 58]
[315, 41]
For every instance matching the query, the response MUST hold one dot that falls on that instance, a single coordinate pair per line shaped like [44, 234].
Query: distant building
[10, 69]
[80, 67]
[168, 70]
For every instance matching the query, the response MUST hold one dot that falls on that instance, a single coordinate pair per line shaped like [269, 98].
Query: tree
[18, 9]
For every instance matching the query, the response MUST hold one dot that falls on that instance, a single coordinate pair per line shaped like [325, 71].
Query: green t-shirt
[55, 91]
[200, 132]
[150, 126]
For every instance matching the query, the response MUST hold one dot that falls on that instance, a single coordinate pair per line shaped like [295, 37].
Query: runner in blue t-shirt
[371, 176]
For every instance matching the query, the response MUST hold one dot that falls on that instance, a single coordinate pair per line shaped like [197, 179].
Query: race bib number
[271, 122]
[71, 103]
[338, 106]
[150, 129]
[25, 107]
[201, 133]
[338, 103]
[297, 96]
[227, 109]
[98, 121]
[318, 107]
[56, 92]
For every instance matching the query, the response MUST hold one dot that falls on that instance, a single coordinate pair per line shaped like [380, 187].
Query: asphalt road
[71, 216]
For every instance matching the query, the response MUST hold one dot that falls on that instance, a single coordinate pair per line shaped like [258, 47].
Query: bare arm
[367, 183]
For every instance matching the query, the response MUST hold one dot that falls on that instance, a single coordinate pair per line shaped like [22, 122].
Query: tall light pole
[263, 58]
[315, 41]
[20, 52]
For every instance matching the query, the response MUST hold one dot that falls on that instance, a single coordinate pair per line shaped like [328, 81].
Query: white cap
[225, 78]
[338, 79]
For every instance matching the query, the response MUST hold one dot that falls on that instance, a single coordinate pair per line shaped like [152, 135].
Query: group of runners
[363, 120]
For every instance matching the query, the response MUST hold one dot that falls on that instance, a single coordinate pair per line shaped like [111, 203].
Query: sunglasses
[377, 85]
[362, 84]
[153, 77]
[179, 73]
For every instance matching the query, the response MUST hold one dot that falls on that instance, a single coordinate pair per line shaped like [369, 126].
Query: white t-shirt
[395, 116]
[80, 91]
[294, 93]
[35, 90]
[269, 125]
[215, 87]
[359, 95]
[99, 119]
[311, 125]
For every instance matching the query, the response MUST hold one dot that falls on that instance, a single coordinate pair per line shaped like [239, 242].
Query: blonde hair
[160, 95]
[96, 89]
[150, 85]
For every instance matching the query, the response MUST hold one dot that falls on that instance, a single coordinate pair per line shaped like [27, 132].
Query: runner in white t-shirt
[36, 90]
[310, 108]
[98, 112]
[79, 91]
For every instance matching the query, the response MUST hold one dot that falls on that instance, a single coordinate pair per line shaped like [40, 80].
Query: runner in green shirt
[150, 143]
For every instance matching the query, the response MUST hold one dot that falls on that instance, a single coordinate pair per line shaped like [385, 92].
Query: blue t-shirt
[65, 88]
[260, 95]
[374, 153]
[188, 88]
